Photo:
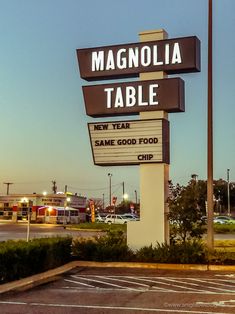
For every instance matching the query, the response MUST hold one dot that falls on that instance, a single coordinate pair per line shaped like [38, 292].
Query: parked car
[131, 216]
[100, 217]
[116, 219]
[224, 220]
[204, 218]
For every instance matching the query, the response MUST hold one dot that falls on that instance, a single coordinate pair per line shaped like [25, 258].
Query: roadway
[17, 231]
[14, 231]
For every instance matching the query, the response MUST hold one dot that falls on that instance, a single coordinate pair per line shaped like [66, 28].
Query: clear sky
[43, 129]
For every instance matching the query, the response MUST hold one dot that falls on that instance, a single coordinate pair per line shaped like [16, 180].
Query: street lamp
[229, 211]
[25, 200]
[125, 196]
[110, 188]
[66, 201]
[135, 196]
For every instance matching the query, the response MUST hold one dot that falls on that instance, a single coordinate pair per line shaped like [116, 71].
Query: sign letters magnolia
[172, 56]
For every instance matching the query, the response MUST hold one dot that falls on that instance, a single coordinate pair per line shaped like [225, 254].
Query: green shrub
[189, 252]
[111, 247]
[221, 257]
[83, 249]
[19, 259]
[224, 228]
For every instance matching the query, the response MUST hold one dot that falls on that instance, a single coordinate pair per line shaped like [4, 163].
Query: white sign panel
[130, 142]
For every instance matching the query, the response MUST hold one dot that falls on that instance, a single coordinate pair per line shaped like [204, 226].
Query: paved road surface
[128, 291]
[12, 231]
[18, 231]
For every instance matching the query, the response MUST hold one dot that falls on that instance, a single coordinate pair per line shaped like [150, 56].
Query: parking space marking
[218, 284]
[219, 303]
[122, 308]
[13, 303]
[175, 285]
[101, 282]
[80, 283]
[123, 280]
[158, 284]
[153, 287]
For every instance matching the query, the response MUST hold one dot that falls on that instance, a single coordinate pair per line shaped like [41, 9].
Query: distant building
[16, 206]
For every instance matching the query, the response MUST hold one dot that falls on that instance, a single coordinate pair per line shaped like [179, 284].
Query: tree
[186, 205]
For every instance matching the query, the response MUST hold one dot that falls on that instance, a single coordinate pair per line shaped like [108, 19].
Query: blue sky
[43, 129]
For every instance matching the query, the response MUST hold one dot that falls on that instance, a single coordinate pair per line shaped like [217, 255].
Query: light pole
[229, 211]
[125, 198]
[135, 196]
[210, 203]
[66, 201]
[110, 188]
[24, 200]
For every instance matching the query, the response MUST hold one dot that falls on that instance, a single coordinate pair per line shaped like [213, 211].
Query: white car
[100, 217]
[224, 220]
[131, 217]
[116, 219]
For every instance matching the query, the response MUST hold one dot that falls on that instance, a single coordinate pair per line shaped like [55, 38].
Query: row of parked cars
[224, 220]
[122, 219]
[221, 220]
[116, 219]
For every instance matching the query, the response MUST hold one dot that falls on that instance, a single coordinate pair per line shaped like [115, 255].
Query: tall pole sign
[143, 142]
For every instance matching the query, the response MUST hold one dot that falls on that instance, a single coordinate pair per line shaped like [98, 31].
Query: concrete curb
[51, 275]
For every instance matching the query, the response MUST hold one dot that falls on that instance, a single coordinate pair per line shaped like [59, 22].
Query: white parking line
[218, 284]
[154, 287]
[13, 303]
[122, 308]
[123, 280]
[103, 282]
[175, 285]
[219, 303]
[158, 284]
[80, 283]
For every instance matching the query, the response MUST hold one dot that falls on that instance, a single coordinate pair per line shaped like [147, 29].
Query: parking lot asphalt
[53, 274]
[83, 289]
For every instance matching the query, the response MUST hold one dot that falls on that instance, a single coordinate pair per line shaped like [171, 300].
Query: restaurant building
[16, 206]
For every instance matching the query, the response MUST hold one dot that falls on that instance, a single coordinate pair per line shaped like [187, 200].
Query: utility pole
[123, 191]
[210, 201]
[136, 197]
[110, 189]
[54, 187]
[8, 184]
[229, 211]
